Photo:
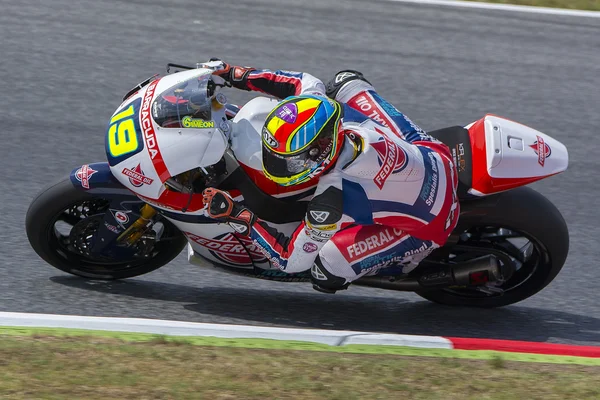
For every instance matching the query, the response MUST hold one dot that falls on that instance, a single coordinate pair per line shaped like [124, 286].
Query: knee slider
[340, 79]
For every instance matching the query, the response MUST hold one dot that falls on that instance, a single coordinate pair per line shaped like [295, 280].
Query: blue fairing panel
[97, 179]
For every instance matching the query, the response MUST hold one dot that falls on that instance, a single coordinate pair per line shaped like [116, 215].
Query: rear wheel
[525, 229]
[61, 224]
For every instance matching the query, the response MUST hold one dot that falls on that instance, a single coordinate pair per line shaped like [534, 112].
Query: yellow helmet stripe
[284, 181]
[274, 124]
[307, 104]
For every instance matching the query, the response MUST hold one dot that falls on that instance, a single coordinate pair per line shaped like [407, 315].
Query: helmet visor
[287, 166]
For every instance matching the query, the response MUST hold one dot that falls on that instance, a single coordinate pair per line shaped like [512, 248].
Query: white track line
[503, 7]
[180, 328]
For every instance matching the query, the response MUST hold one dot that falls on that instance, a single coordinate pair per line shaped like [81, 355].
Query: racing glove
[220, 206]
[234, 75]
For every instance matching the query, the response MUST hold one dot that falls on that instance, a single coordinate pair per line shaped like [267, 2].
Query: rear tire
[42, 215]
[528, 212]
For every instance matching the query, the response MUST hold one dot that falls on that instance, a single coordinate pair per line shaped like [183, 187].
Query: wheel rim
[527, 252]
[84, 217]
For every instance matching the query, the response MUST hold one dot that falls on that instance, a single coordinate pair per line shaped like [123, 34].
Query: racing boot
[323, 281]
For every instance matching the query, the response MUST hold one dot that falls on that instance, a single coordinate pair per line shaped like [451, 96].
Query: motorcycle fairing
[98, 179]
[458, 141]
[167, 152]
[101, 182]
[507, 154]
[123, 134]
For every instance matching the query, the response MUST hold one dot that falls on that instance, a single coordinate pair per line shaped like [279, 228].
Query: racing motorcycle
[137, 211]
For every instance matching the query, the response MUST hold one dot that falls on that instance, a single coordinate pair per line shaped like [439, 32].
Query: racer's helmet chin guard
[301, 138]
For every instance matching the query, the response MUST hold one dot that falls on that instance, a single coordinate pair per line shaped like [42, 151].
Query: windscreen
[185, 105]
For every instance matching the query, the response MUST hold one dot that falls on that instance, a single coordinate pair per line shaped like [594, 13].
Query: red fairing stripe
[177, 201]
[273, 77]
[150, 136]
[524, 347]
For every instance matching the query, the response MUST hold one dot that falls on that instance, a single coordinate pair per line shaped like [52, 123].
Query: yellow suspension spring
[138, 228]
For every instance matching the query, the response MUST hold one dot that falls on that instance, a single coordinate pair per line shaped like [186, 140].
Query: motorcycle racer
[386, 193]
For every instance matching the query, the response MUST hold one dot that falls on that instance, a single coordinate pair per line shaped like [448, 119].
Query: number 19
[122, 137]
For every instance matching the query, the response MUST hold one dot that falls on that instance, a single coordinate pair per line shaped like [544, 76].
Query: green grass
[66, 364]
[297, 345]
[593, 5]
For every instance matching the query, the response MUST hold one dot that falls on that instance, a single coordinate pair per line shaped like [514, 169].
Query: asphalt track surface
[65, 65]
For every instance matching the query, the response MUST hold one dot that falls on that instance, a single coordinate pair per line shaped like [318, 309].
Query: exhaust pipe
[476, 272]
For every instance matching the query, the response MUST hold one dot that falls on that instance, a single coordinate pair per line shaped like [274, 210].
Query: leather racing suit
[390, 199]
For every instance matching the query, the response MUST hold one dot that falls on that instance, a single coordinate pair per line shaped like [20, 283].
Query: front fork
[140, 226]
[127, 218]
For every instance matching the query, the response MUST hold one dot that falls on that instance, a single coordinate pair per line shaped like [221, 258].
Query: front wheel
[62, 220]
[523, 226]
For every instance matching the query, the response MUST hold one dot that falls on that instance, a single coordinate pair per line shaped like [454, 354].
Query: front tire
[62, 202]
[528, 213]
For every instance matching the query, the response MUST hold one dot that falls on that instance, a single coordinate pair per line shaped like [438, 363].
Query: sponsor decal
[240, 228]
[425, 246]
[458, 153]
[189, 122]
[319, 216]
[368, 107]
[542, 150]
[150, 135]
[263, 247]
[111, 228]
[269, 139]
[317, 235]
[388, 257]
[83, 175]
[331, 227]
[340, 77]
[430, 183]
[230, 249]
[316, 272]
[392, 159]
[371, 240]
[121, 217]
[309, 247]
[288, 112]
[137, 177]
[377, 262]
